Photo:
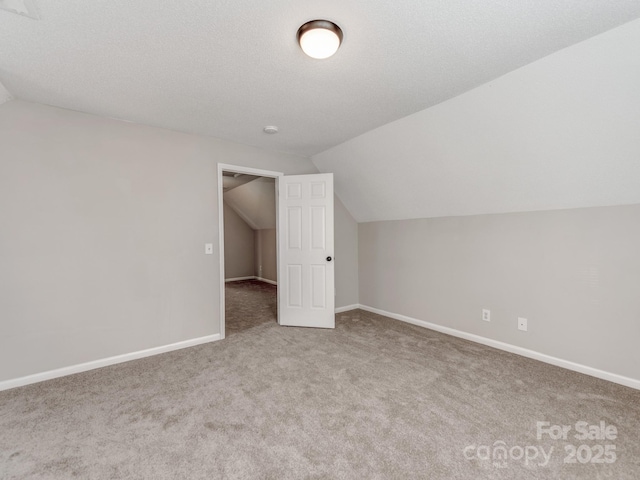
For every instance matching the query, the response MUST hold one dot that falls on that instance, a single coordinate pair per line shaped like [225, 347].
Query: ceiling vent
[25, 8]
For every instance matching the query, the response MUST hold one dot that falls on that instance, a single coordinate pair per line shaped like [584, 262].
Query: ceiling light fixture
[319, 38]
[270, 129]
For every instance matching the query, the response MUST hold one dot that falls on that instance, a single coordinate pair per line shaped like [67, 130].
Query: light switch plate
[208, 248]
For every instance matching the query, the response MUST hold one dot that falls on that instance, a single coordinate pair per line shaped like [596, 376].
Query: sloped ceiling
[255, 202]
[231, 180]
[562, 132]
[5, 96]
[228, 68]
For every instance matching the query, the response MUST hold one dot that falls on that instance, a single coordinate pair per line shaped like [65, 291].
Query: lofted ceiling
[231, 180]
[254, 202]
[562, 132]
[227, 68]
[4, 94]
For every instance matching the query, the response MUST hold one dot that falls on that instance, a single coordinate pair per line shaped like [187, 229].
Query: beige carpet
[372, 399]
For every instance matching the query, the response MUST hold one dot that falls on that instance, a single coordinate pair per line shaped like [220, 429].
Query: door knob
[329, 259]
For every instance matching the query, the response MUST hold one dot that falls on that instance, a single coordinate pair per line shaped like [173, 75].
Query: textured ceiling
[562, 132]
[227, 68]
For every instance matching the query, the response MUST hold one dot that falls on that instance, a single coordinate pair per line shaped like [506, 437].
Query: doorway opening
[248, 239]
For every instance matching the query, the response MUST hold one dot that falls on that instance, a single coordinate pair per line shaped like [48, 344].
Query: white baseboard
[104, 362]
[355, 306]
[266, 280]
[558, 362]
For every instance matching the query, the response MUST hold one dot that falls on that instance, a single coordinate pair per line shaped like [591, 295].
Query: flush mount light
[319, 38]
[270, 129]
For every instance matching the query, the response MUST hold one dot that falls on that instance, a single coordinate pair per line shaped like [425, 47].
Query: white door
[305, 251]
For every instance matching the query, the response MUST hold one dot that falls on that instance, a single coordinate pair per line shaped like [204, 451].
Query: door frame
[224, 167]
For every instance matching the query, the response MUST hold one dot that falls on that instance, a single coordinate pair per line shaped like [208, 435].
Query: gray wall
[103, 232]
[266, 265]
[575, 274]
[346, 255]
[238, 245]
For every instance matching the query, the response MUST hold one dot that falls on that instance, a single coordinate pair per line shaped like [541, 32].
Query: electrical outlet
[486, 315]
[522, 324]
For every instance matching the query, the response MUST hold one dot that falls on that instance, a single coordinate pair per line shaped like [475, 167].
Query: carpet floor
[373, 399]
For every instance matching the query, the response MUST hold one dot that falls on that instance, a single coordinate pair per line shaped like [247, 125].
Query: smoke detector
[25, 8]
